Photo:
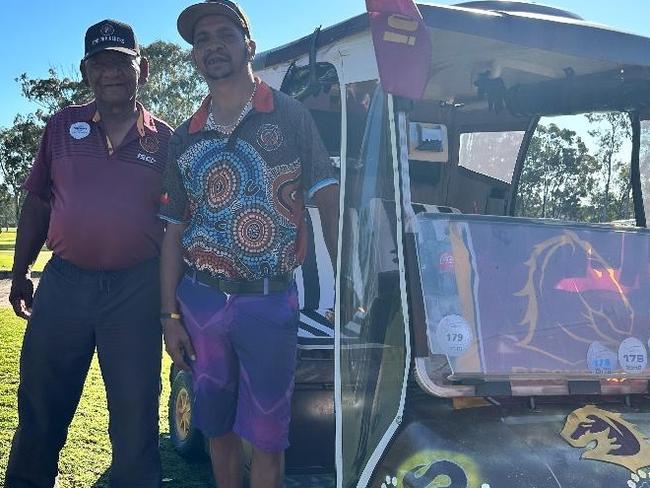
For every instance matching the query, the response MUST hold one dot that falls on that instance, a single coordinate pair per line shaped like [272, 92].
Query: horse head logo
[575, 290]
[614, 439]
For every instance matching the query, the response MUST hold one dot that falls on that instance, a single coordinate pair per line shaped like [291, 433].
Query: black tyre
[186, 439]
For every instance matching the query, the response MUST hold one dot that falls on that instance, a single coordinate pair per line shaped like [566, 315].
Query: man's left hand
[178, 344]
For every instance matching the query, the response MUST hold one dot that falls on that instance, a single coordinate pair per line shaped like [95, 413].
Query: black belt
[262, 286]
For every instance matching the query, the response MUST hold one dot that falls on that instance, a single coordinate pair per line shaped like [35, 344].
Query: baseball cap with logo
[110, 35]
[192, 14]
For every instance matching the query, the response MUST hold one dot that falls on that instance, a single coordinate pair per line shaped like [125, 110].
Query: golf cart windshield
[524, 299]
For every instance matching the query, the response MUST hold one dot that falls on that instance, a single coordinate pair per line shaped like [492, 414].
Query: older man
[93, 192]
[240, 171]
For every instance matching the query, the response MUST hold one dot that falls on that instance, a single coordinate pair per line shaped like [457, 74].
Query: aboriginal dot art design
[245, 214]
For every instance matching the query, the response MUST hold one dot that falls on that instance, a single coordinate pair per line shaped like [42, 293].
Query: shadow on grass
[177, 471]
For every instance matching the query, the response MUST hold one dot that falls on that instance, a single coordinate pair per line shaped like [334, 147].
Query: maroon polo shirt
[104, 199]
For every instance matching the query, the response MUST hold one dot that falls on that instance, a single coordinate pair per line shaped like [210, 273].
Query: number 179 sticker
[454, 335]
[632, 355]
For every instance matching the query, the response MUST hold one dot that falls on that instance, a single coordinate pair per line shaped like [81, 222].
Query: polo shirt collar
[262, 102]
[145, 119]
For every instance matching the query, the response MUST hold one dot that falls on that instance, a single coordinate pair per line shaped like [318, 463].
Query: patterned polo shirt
[242, 196]
[104, 199]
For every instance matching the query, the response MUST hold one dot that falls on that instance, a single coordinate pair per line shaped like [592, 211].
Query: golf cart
[480, 338]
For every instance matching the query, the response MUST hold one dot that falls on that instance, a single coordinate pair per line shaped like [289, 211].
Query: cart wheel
[186, 439]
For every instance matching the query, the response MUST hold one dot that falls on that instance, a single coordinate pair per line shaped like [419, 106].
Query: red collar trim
[263, 99]
[200, 117]
[262, 102]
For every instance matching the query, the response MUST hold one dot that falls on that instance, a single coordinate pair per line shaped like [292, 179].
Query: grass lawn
[7, 240]
[86, 456]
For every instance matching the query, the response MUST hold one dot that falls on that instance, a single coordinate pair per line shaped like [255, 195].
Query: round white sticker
[79, 130]
[632, 355]
[600, 359]
[454, 335]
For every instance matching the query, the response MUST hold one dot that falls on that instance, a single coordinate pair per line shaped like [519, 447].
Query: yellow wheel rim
[183, 414]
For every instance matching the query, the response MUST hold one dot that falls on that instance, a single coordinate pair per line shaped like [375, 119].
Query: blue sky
[39, 34]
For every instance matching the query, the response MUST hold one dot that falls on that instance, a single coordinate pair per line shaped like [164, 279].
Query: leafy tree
[644, 163]
[54, 92]
[173, 92]
[611, 130]
[558, 176]
[562, 180]
[7, 213]
[18, 147]
[175, 89]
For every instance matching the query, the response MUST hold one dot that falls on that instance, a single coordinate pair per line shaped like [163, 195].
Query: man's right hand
[21, 296]
[178, 344]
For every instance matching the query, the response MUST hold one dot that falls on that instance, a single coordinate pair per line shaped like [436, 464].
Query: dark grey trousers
[74, 312]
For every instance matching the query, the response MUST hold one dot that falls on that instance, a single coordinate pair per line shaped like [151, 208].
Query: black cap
[110, 35]
[192, 14]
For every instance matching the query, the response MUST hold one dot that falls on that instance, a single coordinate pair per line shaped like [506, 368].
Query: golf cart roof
[520, 43]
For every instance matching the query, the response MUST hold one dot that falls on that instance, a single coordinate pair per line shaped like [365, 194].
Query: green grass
[86, 456]
[7, 241]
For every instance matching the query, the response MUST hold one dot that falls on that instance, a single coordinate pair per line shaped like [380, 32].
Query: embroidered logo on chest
[269, 137]
[150, 144]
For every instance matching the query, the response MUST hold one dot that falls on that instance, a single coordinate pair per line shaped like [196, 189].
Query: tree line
[562, 177]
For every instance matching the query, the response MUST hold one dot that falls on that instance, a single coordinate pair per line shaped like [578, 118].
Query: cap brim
[191, 15]
[124, 50]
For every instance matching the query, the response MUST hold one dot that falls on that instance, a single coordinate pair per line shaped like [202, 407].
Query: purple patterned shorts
[243, 375]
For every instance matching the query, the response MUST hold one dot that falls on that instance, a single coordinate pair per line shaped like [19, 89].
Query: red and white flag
[402, 46]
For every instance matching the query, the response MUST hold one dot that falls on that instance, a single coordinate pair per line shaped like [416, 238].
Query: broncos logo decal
[616, 440]
[594, 307]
